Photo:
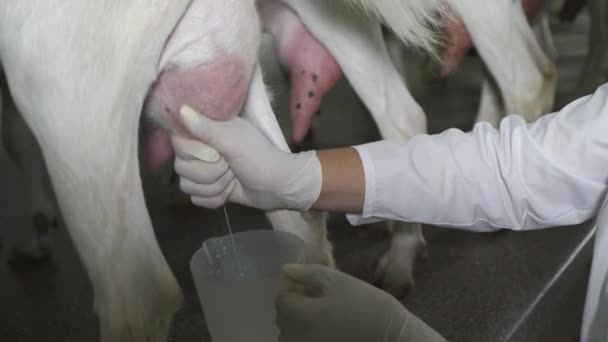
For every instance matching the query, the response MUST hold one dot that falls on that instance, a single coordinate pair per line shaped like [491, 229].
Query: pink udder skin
[313, 70]
[158, 149]
[217, 90]
[459, 42]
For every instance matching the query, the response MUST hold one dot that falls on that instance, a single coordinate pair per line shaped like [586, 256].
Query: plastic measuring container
[237, 292]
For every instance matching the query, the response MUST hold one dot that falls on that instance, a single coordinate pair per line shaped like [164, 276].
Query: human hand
[233, 161]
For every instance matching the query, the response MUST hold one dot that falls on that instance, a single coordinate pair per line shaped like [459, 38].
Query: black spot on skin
[302, 72]
[167, 110]
[298, 105]
[315, 77]
[311, 94]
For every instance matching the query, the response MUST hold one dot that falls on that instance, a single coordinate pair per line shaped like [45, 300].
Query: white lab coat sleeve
[595, 315]
[522, 176]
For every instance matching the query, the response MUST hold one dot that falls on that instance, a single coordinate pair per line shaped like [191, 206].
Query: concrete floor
[474, 287]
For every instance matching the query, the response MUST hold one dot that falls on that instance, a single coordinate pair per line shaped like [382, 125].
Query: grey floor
[474, 287]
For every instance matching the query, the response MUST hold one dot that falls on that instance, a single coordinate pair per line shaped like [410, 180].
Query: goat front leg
[310, 226]
[539, 42]
[596, 61]
[525, 75]
[542, 29]
[491, 107]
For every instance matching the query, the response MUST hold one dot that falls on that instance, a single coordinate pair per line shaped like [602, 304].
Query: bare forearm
[343, 188]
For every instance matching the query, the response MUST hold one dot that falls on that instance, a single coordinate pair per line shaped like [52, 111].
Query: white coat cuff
[372, 174]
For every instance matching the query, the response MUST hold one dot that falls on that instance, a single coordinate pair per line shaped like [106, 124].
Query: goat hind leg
[101, 198]
[309, 226]
[357, 41]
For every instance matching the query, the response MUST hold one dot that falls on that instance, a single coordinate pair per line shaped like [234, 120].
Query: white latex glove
[248, 170]
[319, 304]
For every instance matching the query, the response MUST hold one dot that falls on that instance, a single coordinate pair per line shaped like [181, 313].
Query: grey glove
[319, 304]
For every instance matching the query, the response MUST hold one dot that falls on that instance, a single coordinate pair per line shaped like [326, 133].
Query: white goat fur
[79, 72]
